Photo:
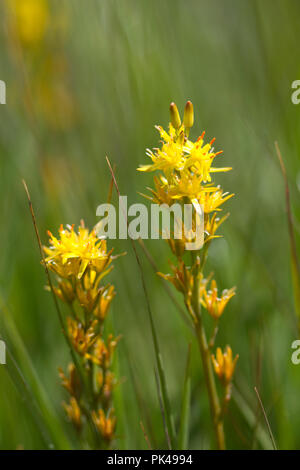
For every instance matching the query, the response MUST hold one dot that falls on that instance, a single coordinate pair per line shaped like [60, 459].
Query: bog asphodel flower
[71, 253]
[185, 167]
[212, 303]
[102, 352]
[211, 225]
[185, 177]
[185, 164]
[106, 297]
[71, 384]
[182, 278]
[80, 261]
[224, 364]
[106, 382]
[106, 424]
[74, 413]
[82, 338]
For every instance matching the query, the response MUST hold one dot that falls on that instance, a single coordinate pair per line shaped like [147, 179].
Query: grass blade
[163, 410]
[160, 369]
[146, 436]
[166, 286]
[44, 403]
[295, 267]
[249, 416]
[266, 419]
[142, 405]
[27, 397]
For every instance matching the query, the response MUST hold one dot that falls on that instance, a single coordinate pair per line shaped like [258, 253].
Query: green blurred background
[89, 79]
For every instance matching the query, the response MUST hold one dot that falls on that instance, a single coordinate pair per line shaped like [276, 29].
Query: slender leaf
[295, 266]
[250, 418]
[48, 413]
[160, 369]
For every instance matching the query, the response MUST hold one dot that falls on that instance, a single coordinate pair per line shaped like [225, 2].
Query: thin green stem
[211, 387]
[207, 364]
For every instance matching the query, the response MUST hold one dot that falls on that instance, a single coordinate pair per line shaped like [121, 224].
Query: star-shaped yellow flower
[224, 364]
[215, 305]
[71, 253]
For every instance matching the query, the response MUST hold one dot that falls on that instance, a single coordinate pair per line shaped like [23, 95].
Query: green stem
[211, 386]
[206, 361]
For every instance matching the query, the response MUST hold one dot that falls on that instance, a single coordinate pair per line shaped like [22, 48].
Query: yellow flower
[81, 260]
[72, 384]
[73, 252]
[168, 159]
[224, 364]
[88, 291]
[182, 278]
[177, 246]
[200, 158]
[102, 353]
[170, 136]
[211, 225]
[91, 296]
[64, 291]
[102, 307]
[190, 186]
[106, 383]
[30, 19]
[106, 425]
[74, 413]
[161, 193]
[81, 339]
[171, 155]
[215, 305]
[212, 200]
[51, 87]
[181, 157]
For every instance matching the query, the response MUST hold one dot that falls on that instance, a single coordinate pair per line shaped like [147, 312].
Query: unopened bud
[175, 117]
[67, 291]
[188, 118]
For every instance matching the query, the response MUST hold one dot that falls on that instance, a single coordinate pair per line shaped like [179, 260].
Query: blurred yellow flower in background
[33, 29]
[30, 20]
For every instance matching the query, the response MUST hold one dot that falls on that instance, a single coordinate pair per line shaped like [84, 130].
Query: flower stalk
[185, 177]
[80, 261]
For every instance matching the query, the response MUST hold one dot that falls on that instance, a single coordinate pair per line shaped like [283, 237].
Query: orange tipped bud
[175, 117]
[188, 118]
